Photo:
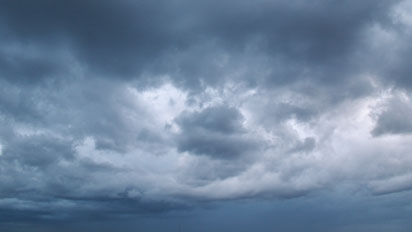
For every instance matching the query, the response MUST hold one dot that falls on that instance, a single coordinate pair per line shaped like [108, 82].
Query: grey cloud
[42, 125]
[37, 151]
[216, 131]
[276, 113]
[16, 68]
[222, 119]
[217, 146]
[59, 210]
[84, 107]
[307, 145]
[16, 103]
[395, 119]
[392, 185]
[312, 43]
[129, 39]
[113, 37]
[269, 95]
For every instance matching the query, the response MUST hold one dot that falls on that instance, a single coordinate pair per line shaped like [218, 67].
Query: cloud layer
[140, 107]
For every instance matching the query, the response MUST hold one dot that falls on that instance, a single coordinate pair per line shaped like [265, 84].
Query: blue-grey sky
[218, 115]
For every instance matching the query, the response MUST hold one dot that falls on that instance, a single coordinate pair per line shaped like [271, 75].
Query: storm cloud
[159, 111]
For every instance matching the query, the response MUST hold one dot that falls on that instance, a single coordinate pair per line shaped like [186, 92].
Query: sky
[205, 115]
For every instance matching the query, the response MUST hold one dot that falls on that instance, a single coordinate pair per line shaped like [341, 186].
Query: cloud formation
[142, 107]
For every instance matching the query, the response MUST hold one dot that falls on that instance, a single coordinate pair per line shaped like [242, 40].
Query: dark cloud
[37, 151]
[215, 131]
[398, 72]
[300, 41]
[108, 37]
[220, 119]
[114, 110]
[16, 68]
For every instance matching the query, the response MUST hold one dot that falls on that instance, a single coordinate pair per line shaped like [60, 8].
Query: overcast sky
[209, 115]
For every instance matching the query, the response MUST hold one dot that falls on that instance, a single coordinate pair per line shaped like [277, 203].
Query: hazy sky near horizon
[218, 115]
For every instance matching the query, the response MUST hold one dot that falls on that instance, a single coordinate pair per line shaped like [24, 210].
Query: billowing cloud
[116, 109]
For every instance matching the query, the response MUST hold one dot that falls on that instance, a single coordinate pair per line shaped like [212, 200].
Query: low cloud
[145, 107]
